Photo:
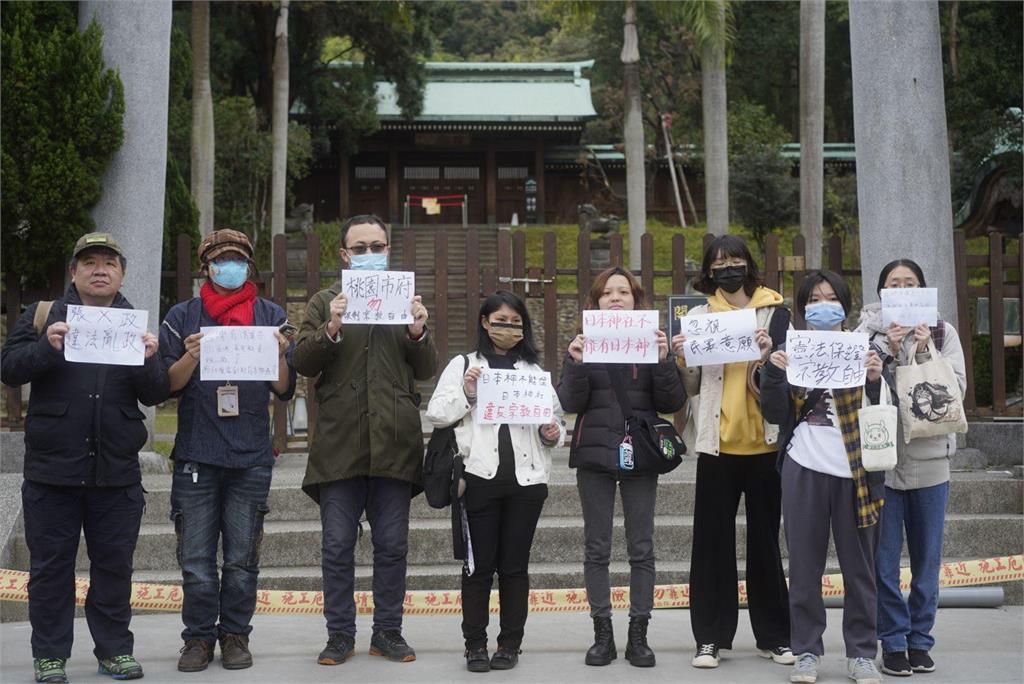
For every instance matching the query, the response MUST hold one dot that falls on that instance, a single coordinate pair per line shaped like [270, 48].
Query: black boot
[603, 650]
[638, 653]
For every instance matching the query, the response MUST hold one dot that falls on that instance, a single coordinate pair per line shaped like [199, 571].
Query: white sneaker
[706, 657]
[806, 669]
[863, 671]
[780, 654]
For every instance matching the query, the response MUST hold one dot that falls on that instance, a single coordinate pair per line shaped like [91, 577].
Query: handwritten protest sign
[823, 358]
[620, 336]
[378, 297]
[910, 306]
[100, 334]
[243, 352]
[515, 397]
[725, 337]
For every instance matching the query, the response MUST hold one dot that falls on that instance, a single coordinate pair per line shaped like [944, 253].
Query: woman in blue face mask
[825, 488]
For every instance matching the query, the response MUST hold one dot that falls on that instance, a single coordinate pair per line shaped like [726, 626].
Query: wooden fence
[783, 272]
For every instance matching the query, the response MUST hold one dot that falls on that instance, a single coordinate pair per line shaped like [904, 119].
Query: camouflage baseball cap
[224, 240]
[97, 240]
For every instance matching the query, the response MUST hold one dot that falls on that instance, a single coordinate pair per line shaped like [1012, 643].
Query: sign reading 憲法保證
[239, 352]
[726, 337]
[824, 358]
[100, 334]
[514, 397]
[910, 306]
[378, 297]
[611, 336]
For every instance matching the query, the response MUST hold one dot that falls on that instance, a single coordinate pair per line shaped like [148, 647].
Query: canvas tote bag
[878, 432]
[929, 398]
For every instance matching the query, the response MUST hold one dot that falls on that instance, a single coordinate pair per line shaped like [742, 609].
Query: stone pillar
[137, 42]
[899, 115]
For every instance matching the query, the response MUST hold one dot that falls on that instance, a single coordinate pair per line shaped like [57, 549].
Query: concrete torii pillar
[899, 114]
[137, 42]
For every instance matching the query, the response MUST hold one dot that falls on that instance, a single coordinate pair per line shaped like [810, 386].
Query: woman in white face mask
[825, 487]
[917, 490]
[506, 473]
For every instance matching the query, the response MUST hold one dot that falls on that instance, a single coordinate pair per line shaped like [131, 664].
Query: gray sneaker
[863, 671]
[805, 669]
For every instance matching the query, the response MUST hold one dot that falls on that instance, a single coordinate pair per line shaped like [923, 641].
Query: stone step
[976, 495]
[558, 539]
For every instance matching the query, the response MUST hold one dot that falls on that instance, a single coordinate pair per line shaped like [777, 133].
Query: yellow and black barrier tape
[168, 597]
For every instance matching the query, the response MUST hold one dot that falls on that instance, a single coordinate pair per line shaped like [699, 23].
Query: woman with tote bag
[916, 491]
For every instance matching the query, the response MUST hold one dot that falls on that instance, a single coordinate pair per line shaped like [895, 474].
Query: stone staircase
[984, 519]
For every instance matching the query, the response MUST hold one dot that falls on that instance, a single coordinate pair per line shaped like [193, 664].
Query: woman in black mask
[736, 457]
[507, 468]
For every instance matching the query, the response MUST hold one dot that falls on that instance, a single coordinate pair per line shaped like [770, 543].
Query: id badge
[626, 454]
[227, 401]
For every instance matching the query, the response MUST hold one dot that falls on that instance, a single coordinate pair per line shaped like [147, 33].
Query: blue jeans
[211, 505]
[386, 502]
[922, 512]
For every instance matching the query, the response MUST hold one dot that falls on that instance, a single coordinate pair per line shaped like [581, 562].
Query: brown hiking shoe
[196, 654]
[234, 651]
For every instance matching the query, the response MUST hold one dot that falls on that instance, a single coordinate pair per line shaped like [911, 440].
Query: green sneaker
[121, 667]
[50, 670]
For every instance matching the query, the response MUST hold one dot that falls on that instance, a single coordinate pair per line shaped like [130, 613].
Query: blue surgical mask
[368, 262]
[230, 275]
[824, 315]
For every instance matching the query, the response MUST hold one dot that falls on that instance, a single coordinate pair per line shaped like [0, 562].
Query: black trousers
[502, 520]
[54, 519]
[714, 599]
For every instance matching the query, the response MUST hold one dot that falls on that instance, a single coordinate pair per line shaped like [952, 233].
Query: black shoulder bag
[657, 447]
[439, 461]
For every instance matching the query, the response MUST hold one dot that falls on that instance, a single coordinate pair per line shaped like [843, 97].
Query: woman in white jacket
[916, 491]
[507, 468]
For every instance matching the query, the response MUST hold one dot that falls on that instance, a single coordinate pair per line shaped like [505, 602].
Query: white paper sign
[378, 297]
[100, 334]
[239, 352]
[823, 358]
[620, 336]
[910, 306]
[513, 396]
[725, 337]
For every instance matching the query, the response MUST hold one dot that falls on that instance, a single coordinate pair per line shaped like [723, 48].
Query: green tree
[764, 193]
[60, 124]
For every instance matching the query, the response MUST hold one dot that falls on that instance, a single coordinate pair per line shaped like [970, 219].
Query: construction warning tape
[167, 597]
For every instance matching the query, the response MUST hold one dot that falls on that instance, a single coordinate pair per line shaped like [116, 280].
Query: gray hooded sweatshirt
[924, 462]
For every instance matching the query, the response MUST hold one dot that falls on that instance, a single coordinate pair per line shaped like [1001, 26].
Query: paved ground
[978, 646]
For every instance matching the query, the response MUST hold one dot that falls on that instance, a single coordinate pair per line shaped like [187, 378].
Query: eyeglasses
[376, 248]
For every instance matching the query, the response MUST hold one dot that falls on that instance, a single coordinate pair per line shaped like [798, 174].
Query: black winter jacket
[586, 390]
[84, 426]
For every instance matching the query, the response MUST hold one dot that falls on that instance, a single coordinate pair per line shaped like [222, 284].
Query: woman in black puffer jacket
[586, 389]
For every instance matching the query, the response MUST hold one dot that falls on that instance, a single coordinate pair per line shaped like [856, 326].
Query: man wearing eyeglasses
[367, 449]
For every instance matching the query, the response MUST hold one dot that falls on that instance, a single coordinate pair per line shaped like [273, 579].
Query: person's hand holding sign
[662, 339]
[55, 335]
[873, 364]
[764, 342]
[550, 431]
[576, 349]
[419, 318]
[338, 307]
[469, 382]
[151, 343]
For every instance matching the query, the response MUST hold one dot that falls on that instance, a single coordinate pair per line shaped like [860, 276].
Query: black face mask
[729, 278]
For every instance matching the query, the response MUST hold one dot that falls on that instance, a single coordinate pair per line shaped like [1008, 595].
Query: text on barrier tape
[168, 597]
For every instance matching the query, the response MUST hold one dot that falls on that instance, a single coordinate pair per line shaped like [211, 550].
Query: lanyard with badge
[227, 400]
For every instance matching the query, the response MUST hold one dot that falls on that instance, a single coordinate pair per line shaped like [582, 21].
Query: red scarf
[230, 309]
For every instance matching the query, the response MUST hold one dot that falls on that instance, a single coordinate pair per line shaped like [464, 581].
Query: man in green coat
[367, 449]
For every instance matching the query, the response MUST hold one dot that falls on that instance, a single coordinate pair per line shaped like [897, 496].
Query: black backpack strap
[778, 326]
[809, 403]
[620, 391]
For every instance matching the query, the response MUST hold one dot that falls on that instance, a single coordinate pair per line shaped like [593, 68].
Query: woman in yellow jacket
[736, 457]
